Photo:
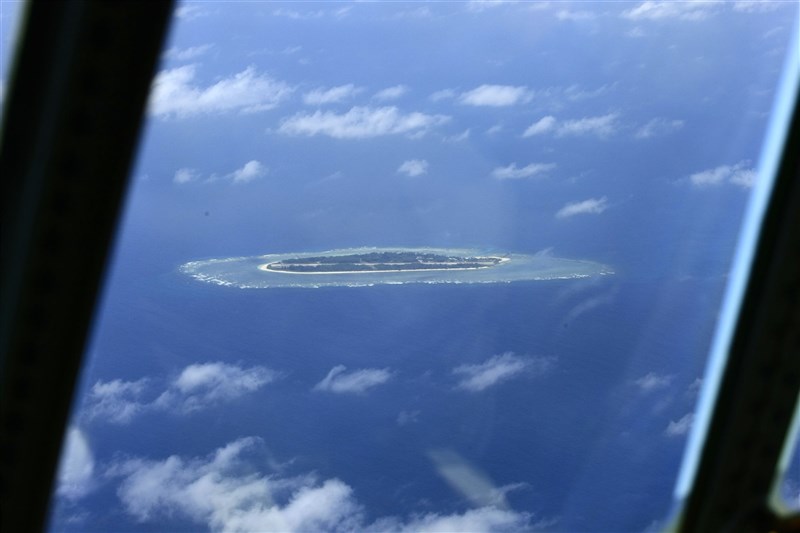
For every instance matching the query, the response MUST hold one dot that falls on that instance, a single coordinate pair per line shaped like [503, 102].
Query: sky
[626, 133]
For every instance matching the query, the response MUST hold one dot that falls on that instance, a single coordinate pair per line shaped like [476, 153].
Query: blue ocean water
[582, 440]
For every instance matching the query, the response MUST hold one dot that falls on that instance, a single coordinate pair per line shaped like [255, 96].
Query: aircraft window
[448, 266]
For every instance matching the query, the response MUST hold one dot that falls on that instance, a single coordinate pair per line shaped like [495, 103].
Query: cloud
[340, 381]
[593, 206]
[600, 126]
[225, 492]
[494, 130]
[360, 123]
[332, 95]
[202, 385]
[483, 519]
[197, 387]
[691, 10]
[590, 206]
[444, 94]
[636, 32]
[190, 11]
[496, 96]
[543, 125]
[459, 137]
[185, 54]
[680, 427]
[741, 174]
[413, 167]
[482, 5]
[497, 369]
[298, 15]
[116, 401]
[391, 93]
[756, 6]
[250, 171]
[652, 382]
[575, 16]
[658, 127]
[186, 175]
[175, 93]
[407, 417]
[76, 470]
[512, 172]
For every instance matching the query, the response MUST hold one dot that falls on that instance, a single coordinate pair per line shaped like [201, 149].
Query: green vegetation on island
[392, 261]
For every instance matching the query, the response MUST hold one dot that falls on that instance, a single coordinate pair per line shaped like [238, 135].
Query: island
[371, 266]
[380, 261]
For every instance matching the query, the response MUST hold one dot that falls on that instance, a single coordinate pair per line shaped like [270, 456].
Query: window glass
[493, 240]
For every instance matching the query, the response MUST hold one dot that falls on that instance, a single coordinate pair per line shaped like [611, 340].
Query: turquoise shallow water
[244, 272]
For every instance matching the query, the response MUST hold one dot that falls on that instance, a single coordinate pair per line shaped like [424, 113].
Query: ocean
[573, 444]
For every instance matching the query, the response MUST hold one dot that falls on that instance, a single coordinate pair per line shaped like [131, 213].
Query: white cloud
[250, 171]
[529, 171]
[187, 11]
[494, 130]
[339, 380]
[202, 385]
[740, 174]
[444, 94]
[756, 6]
[391, 93]
[498, 369]
[575, 16]
[224, 492]
[198, 386]
[76, 470]
[652, 382]
[496, 96]
[543, 125]
[657, 127]
[407, 417]
[591, 206]
[681, 426]
[636, 32]
[185, 54]
[298, 15]
[175, 94]
[459, 137]
[413, 167]
[186, 175]
[575, 93]
[483, 519]
[743, 177]
[689, 10]
[481, 5]
[601, 126]
[330, 96]
[117, 401]
[360, 123]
